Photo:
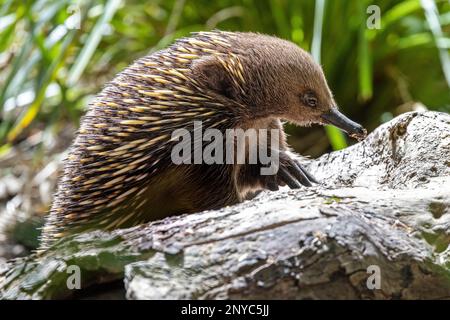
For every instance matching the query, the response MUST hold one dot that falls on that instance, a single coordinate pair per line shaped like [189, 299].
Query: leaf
[48, 77]
[92, 42]
[336, 137]
[364, 65]
[399, 11]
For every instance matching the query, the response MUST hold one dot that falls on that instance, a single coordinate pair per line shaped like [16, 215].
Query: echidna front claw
[286, 176]
[293, 174]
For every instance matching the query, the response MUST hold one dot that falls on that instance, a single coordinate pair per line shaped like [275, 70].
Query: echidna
[119, 171]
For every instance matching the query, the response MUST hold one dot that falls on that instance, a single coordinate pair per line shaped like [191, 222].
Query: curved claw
[293, 174]
[306, 173]
[290, 173]
[287, 178]
[298, 173]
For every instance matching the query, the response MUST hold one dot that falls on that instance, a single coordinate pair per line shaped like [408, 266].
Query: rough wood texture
[383, 202]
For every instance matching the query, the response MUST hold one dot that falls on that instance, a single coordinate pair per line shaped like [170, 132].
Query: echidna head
[273, 78]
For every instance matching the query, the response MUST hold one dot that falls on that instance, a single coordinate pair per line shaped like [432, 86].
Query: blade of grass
[319, 12]
[7, 26]
[432, 17]
[418, 39]
[49, 76]
[335, 136]
[5, 7]
[92, 42]
[364, 60]
[17, 64]
[174, 17]
[224, 14]
[21, 67]
[399, 11]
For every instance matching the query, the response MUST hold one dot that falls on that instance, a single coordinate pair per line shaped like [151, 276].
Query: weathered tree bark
[383, 205]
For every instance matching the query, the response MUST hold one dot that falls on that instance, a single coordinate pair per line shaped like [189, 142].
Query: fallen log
[377, 227]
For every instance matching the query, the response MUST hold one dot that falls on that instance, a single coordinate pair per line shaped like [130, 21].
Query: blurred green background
[56, 54]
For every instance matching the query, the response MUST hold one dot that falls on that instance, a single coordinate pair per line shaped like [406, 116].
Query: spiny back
[125, 137]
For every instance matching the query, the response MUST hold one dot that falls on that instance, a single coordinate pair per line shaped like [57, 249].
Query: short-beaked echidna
[119, 171]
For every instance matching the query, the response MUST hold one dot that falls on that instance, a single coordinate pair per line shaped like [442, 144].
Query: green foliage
[49, 71]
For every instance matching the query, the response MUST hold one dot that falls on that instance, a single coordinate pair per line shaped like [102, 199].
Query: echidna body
[119, 171]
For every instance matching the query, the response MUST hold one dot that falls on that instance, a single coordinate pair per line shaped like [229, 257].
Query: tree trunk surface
[377, 227]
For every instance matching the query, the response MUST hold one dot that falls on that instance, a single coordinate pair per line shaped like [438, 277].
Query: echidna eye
[310, 100]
